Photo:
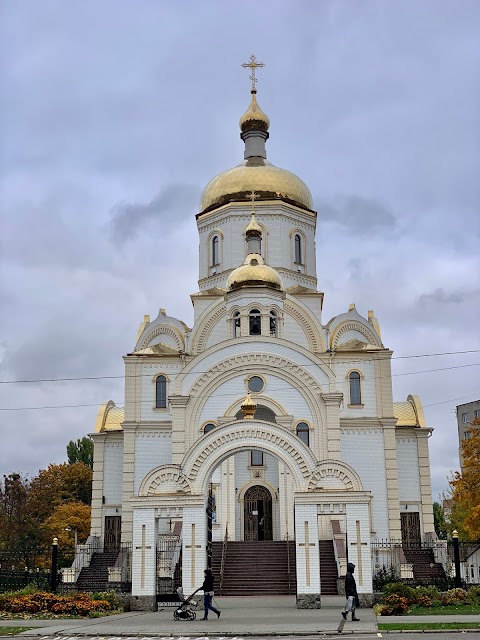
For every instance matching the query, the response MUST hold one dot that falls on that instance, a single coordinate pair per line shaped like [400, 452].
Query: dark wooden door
[113, 533]
[410, 523]
[258, 514]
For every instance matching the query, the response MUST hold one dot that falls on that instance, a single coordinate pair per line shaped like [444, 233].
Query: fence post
[456, 556]
[53, 574]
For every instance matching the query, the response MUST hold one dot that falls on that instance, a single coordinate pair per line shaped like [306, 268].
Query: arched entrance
[258, 514]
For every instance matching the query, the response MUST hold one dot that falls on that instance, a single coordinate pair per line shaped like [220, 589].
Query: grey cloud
[174, 204]
[440, 297]
[358, 215]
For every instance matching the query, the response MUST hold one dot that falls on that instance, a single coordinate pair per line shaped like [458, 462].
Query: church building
[263, 422]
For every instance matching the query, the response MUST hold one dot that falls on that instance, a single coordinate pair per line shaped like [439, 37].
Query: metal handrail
[287, 537]
[224, 557]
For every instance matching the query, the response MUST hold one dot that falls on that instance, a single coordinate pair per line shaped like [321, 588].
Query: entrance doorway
[258, 514]
[113, 533]
[410, 523]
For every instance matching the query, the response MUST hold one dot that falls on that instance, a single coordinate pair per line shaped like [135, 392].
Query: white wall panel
[113, 472]
[152, 449]
[408, 470]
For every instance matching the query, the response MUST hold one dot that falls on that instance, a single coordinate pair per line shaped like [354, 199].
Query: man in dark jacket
[207, 588]
[350, 593]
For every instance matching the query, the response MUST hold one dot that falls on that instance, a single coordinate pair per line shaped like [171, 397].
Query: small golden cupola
[254, 119]
[248, 407]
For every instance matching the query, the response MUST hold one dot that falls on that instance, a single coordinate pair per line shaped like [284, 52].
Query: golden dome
[254, 119]
[259, 175]
[254, 272]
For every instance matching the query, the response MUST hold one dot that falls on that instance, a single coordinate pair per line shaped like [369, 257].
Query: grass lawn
[420, 626]
[12, 631]
[451, 609]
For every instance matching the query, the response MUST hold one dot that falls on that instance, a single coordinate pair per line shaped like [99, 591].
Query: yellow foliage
[466, 487]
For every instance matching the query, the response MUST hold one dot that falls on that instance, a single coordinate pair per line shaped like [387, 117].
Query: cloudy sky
[115, 114]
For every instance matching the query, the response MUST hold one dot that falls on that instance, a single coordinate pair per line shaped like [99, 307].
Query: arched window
[273, 324]
[215, 252]
[255, 321]
[355, 392]
[303, 433]
[161, 392]
[236, 324]
[208, 427]
[298, 249]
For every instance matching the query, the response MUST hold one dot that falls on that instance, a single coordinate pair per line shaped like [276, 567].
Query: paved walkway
[240, 617]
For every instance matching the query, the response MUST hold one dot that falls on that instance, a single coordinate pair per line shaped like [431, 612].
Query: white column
[358, 542]
[194, 542]
[144, 553]
[308, 560]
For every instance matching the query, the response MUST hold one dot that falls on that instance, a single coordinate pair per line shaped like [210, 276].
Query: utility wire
[353, 361]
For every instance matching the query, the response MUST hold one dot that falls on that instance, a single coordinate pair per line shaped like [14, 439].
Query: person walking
[207, 588]
[350, 593]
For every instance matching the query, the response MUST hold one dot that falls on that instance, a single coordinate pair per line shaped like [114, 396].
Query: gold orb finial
[248, 407]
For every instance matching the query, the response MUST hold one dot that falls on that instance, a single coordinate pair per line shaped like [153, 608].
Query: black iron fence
[424, 562]
[20, 568]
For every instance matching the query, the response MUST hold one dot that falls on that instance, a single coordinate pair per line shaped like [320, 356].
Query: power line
[352, 361]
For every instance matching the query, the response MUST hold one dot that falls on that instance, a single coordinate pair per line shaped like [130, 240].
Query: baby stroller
[186, 610]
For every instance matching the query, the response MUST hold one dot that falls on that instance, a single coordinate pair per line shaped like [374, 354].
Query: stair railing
[224, 557]
[287, 538]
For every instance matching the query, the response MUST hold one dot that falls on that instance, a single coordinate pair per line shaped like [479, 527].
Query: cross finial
[253, 197]
[253, 64]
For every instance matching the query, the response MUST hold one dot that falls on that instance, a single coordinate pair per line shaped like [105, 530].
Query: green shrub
[473, 595]
[454, 596]
[108, 596]
[81, 604]
[400, 589]
[383, 576]
[430, 592]
[423, 601]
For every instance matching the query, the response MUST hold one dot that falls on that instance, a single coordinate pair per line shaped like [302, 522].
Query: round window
[255, 384]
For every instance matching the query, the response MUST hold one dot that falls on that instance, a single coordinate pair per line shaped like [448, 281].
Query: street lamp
[74, 529]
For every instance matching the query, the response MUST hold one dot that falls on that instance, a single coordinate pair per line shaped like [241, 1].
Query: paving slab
[241, 616]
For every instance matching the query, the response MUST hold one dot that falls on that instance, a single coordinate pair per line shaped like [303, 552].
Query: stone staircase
[425, 569]
[255, 568]
[95, 577]
[328, 568]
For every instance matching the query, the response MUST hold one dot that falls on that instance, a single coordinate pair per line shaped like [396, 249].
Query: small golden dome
[253, 273]
[261, 176]
[248, 407]
[254, 119]
[253, 228]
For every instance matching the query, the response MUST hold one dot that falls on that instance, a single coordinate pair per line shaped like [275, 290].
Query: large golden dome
[253, 273]
[259, 175]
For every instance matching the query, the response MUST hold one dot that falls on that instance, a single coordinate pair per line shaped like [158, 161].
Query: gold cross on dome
[253, 196]
[253, 64]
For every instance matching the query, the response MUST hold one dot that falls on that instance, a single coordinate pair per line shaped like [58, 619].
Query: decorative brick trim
[200, 337]
[165, 330]
[335, 469]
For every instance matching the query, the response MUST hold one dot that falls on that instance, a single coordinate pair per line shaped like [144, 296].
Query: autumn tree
[65, 519]
[465, 488]
[440, 521]
[58, 484]
[80, 451]
[17, 530]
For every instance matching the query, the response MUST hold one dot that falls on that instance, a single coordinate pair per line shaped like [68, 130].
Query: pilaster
[194, 540]
[128, 479]
[391, 472]
[383, 384]
[359, 548]
[96, 526]
[144, 565]
[307, 554]
[178, 406]
[425, 480]
[332, 406]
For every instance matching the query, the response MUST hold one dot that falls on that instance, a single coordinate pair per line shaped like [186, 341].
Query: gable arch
[353, 325]
[334, 474]
[307, 323]
[217, 445]
[166, 479]
[163, 329]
